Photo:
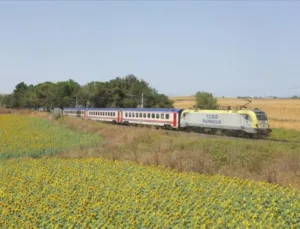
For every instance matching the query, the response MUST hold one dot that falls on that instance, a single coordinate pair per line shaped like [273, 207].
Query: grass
[285, 134]
[283, 113]
[273, 162]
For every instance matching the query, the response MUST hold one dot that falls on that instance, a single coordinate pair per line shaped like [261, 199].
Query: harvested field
[283, 113]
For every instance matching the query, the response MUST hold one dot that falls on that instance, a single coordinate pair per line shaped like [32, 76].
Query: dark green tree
[19, 95]
[119, 92]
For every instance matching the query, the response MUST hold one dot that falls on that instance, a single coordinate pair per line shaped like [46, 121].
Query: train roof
[151, 109]
[130, 109]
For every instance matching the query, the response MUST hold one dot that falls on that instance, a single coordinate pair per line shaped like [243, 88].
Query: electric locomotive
[245, 122]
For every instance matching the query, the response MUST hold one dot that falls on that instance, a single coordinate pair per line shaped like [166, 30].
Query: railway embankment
[269, 161]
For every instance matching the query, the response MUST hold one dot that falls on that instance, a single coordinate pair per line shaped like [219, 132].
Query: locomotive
[240, 122]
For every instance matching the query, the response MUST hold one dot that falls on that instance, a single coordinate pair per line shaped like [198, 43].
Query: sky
[228, 48]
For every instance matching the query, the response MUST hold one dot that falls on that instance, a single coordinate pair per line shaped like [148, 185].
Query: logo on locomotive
[212, 119]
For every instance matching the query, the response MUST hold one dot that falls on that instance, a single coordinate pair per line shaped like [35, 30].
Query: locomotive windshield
[261, 116]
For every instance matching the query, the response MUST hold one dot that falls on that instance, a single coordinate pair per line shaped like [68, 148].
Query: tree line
[120, 92]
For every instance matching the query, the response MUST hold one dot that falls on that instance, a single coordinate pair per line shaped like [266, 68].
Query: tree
[2, 100]
[119, 92]
[45, 93]
[7, 101]
[206, 100]
[19, 95]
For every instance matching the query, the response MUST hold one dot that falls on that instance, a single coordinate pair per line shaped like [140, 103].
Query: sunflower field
[98, 193]
[35, 137]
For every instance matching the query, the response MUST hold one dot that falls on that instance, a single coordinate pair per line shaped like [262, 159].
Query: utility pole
[142, 100]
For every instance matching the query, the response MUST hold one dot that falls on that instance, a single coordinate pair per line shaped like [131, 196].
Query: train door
[85, 114]
[120, 117]
[245, 121]
[183, 120]
[175, 120]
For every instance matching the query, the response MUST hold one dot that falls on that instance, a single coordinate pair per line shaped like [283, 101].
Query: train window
[137, 115]
[126, 115]
[153, 115]
[148, 115]
[129, 114]
[144, 115]
[141, 115]
[167, 116]
[157, 116]
[133, 115]
[261, 116]
[162, 116]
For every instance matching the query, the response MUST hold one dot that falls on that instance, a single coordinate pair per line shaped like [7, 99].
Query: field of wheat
[97, 193]
[283, 113]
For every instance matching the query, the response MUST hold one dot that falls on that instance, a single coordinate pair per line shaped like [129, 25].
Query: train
[253, 123]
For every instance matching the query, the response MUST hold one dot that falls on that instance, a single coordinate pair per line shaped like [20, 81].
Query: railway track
[239, 138]
[207, 135]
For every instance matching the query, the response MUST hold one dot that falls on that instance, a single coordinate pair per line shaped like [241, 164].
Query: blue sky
[179, 47]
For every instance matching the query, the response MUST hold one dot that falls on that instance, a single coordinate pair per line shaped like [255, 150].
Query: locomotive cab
[262, 125]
